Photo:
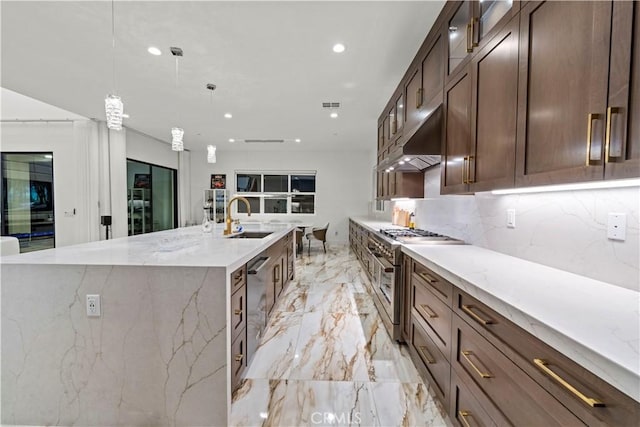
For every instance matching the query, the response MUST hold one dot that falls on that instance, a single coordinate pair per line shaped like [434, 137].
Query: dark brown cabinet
[563, 91]
[238, 324]
[481, 156]
[622, 135]
[406, 299]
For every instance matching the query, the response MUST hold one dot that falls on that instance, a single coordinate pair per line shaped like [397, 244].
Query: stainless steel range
[385, 269]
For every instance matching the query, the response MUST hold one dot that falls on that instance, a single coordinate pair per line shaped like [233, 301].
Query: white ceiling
[272, 63]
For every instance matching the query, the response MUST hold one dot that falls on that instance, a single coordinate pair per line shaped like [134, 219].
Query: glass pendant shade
[176, 142]
[114, 108]
[211, 153]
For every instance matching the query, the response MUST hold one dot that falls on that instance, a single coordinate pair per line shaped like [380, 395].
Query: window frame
[288, 195]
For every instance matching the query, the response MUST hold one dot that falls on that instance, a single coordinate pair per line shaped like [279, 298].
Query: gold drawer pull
[428, 278]
[466, 355]
[425, 354]
[238, 312]
[239, 357]
[607, 139]
[463, 417]
[428, 311]
[468, 309]
[588, 400]
[419, 96]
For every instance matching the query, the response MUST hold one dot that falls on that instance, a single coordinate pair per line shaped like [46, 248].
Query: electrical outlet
[511, 218]
[617, 226]
[93, 305]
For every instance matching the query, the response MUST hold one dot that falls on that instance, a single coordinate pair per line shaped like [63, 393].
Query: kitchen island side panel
[156, 356]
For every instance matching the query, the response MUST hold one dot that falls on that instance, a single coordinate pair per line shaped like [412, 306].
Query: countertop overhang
[596, 324]
[183, 247]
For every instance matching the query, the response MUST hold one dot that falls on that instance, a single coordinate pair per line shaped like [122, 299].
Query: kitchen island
[159, 352]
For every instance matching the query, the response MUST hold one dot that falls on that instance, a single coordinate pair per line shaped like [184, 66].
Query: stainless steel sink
[251, 235]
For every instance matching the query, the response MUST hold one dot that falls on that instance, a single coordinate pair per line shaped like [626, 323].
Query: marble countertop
[594, 323]
[185, 247]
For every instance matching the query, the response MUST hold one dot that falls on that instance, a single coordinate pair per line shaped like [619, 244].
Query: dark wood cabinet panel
[430, 362]
[564, 57]
[238, 359]
[238, 278]
[494, 112]
[511, 390]
[238, 312]
[437, 285]
[433, 72]
[435, 314]
[623, 113]
[470, 406]
[406, 298]
[457, 138]
[458, 31]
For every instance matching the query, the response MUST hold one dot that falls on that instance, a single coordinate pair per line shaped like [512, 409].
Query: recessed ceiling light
[232, 140]
[298, 140]
[401, 162]
[125, 115]
[333, 115]
[338, 48]
[227, 115]
[48, 156]
[154, 51]
[391, 168]
[406, 159]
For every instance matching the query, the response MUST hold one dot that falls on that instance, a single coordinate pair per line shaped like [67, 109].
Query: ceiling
[272, 63]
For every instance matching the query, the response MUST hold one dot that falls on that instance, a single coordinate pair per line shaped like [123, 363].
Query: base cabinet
[487, 371]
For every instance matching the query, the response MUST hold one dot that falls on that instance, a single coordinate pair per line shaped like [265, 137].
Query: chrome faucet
[229, 221]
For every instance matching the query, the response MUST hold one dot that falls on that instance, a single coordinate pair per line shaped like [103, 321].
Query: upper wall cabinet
[574, 93]
[480, 113]
[423, 91]
[622, 140]
[471, 24]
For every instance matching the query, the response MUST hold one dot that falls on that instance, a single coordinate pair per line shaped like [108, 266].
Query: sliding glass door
[152, 199]
[27, 199]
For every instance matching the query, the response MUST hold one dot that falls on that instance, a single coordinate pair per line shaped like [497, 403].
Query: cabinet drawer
[440, 287]
[549, 368]
[238, 312]
[510, 389]
[436, 315]
[470, 407]
[238, 278]
[238, 358]
[430, 361]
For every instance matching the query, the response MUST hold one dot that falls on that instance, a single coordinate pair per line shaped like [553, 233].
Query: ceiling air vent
[176, 51]
[264, 141]
[330, 105]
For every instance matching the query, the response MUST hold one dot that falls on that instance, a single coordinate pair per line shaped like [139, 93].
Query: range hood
[422, 149]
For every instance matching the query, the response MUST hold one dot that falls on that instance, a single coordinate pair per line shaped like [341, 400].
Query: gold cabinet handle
[469, 180]
[463, 417]
[426, 355]
[469, 310]
[239, 357]
[427, 278]
[466, 354]
[469, 30]
[425, 309]
[464, 169]
[473, 32]
[237, 312]
[592, 117]
[607, 139]
[394, 126]
[419, 96]
[542, 364]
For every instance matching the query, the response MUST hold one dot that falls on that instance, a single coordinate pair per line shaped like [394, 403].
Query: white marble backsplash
[565, 230]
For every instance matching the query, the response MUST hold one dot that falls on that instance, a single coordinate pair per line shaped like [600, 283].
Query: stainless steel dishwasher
[257, 279]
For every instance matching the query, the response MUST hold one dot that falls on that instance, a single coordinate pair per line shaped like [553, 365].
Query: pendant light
[176, 132]
[113, 106]
[211, 149]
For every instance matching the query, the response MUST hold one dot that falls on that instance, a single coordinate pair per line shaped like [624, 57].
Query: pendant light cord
[113, 43]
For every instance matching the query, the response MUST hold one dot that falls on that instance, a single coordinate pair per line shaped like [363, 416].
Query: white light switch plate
[511, 218]
[617, 226]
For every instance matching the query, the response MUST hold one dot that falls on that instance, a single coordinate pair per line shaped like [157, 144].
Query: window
[277, 193]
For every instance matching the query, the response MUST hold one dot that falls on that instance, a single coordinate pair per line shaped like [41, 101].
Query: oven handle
[386, 265]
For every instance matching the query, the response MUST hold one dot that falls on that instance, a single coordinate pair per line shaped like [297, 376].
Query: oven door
[384, 281]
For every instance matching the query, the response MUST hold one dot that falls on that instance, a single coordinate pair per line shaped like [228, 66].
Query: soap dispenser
[412, 223]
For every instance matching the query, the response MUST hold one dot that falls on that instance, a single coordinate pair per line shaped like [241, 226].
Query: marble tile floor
[326, 359]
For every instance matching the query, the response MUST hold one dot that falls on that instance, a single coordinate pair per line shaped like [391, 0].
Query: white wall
[150, 150]
[565, 230]
[343, 182]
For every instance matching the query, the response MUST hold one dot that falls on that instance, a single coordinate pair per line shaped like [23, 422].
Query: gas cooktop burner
[417, 236]
[394, 233]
